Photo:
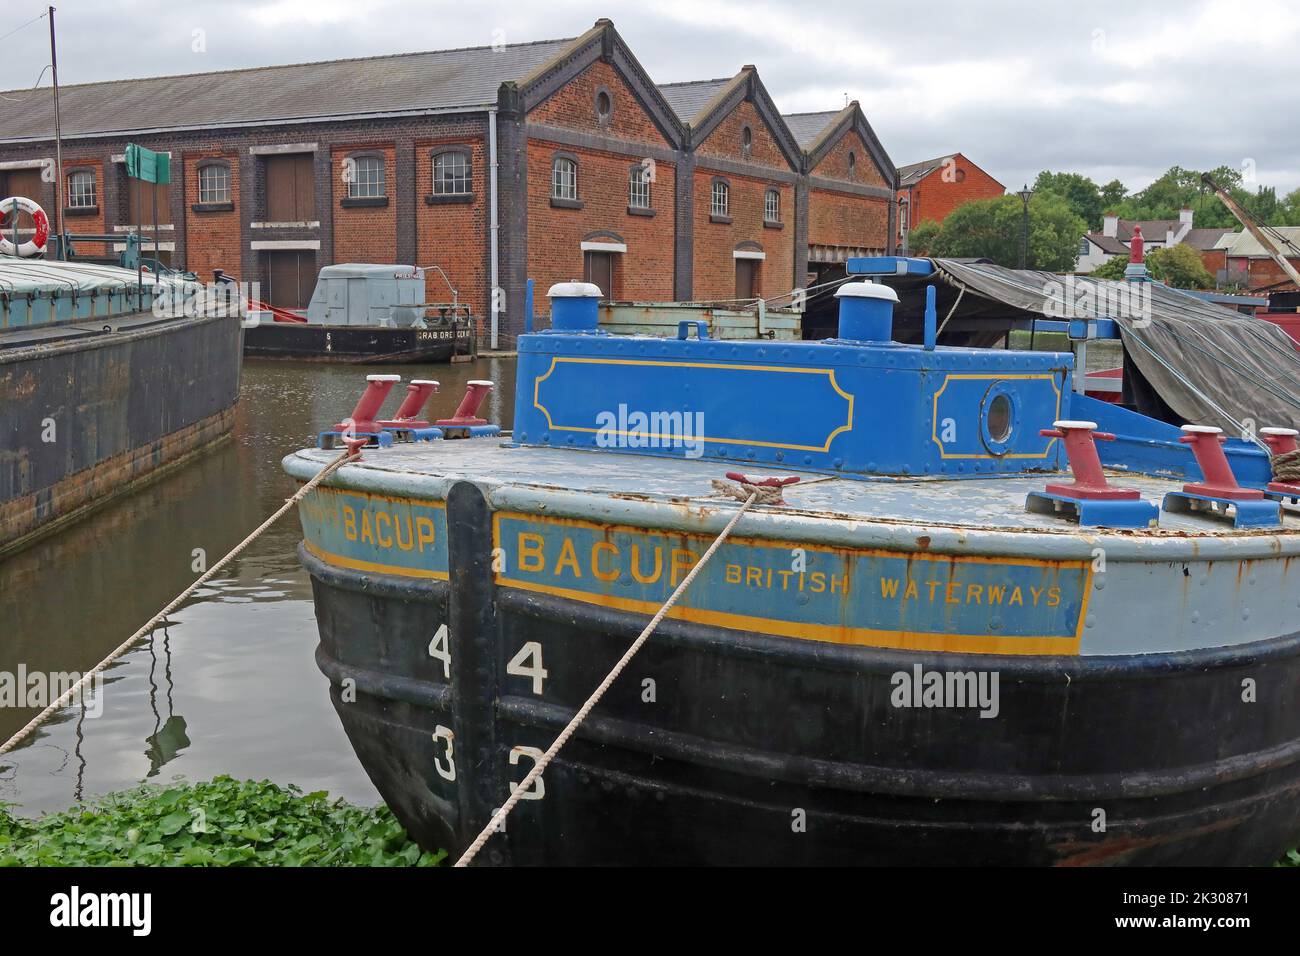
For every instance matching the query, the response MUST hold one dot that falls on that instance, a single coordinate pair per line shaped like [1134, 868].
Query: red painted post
[476, 391]
[372, 400]
[1089, 480]
[1218, 481]
[417, 393]
[1281, 441]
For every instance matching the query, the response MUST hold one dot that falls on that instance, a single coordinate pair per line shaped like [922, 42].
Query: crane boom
[1248, 222]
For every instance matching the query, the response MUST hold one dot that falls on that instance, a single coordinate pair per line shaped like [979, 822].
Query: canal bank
[231, 685]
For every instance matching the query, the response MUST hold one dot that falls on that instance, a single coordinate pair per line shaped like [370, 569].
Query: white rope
[67, 696]
[527, 783]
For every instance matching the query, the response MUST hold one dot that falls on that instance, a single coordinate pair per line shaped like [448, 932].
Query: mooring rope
[66, 697]
[527, 783]
[1286, 467]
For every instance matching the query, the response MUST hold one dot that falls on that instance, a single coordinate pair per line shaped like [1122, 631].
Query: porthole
[998, 418]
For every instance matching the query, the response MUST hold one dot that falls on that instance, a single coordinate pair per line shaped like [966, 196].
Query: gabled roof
[1205, 239]
[443, 80]
[713, 100]
[689, 99]
[1247, 245]
[808, 127]
[913, 173]
[1107, 244]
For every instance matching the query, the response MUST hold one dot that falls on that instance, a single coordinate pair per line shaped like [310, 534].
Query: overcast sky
[1109, 88]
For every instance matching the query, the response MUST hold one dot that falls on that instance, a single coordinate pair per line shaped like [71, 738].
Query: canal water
[229, 685]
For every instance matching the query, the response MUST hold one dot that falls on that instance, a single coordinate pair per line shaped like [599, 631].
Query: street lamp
[1025, 195]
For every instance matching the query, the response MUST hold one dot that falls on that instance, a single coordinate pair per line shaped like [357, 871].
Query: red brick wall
[843, 219]
[574, 107]
[715, 243]
[1263, 273]
[453, 236]
[835, 164]
[79, 222]
[555, 235]
[212, 238]
[364, 233]
[725, 140]
[938, 194]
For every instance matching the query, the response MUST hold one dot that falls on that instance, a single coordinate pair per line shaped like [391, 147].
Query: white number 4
[440, 650]
[519, 666]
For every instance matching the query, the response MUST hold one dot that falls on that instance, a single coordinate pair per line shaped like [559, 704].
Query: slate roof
[913, 173]
[688, 99]
[807, 127]
[441, 80]
[1107, 244]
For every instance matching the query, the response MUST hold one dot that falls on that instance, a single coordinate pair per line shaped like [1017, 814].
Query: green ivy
[223, 822]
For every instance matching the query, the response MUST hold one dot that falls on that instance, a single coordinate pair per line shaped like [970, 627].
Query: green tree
[921, 239]
[1080, 193]
[1179, 266]
[1112, 194]
[991, 229]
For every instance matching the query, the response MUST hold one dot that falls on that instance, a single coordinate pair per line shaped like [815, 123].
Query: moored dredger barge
[939, 649]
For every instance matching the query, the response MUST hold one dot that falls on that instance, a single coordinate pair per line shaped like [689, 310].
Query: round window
[999, 418]
[603, 105]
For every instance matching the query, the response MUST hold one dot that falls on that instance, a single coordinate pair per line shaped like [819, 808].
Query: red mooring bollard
[467, 412]
[1089, 480]
[362, 419]
[1281, 441]
[1218, 481]
[417, 393]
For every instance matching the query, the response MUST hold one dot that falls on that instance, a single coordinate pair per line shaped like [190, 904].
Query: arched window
[853, 163]
[564, 179]
[451, 173]
[366, 177]
[772, 206]
[720, 204]
[214, 183]
[81, 189]
[746, 138]
[638, 187]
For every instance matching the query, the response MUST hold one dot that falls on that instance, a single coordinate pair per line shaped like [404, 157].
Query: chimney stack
[1110, 225]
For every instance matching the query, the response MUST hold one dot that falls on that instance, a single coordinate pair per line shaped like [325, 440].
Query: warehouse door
[598, 267]
[290, 192]
[140, 203]
[26, 183]
[746, 278]
[291, 277]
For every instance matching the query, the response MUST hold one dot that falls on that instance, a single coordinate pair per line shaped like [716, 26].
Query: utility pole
[1025, 195]
[58, 143]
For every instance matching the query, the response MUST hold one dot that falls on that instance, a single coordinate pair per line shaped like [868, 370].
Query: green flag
[147, 165]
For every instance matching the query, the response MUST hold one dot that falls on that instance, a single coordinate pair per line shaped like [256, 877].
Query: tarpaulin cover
[1208, 364]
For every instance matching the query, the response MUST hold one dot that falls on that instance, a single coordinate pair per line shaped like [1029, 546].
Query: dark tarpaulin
[1206, 364]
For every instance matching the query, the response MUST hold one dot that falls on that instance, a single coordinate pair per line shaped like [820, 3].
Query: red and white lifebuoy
[16, 204]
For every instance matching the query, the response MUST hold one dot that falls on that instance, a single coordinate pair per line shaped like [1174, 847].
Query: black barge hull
[354, 344]
[91, 409]
[720, 747]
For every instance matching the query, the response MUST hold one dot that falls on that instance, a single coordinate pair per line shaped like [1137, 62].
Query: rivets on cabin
[1090, 499]
[1218, 494]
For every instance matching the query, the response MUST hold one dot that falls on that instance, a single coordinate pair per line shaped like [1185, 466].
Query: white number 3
[447, 772]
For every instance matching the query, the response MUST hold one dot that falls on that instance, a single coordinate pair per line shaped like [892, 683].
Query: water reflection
[236, 659]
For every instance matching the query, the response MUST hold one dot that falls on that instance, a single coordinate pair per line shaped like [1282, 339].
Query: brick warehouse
[688, 191]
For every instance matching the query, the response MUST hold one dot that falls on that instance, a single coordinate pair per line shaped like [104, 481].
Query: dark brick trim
[566, 203]
[74, 211]
[354, 202]
[721, 220]
[771, 174]
[603, 235]
[228, 206]
[857, 189]
[769, 224]
[640, 211]
[448, 199]
[542, 133]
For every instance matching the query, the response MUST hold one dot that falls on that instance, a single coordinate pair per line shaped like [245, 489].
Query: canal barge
[363, 313]
[936, 649]
[104, 383]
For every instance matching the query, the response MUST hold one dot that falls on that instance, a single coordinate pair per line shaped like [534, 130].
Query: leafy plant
[222, 822]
